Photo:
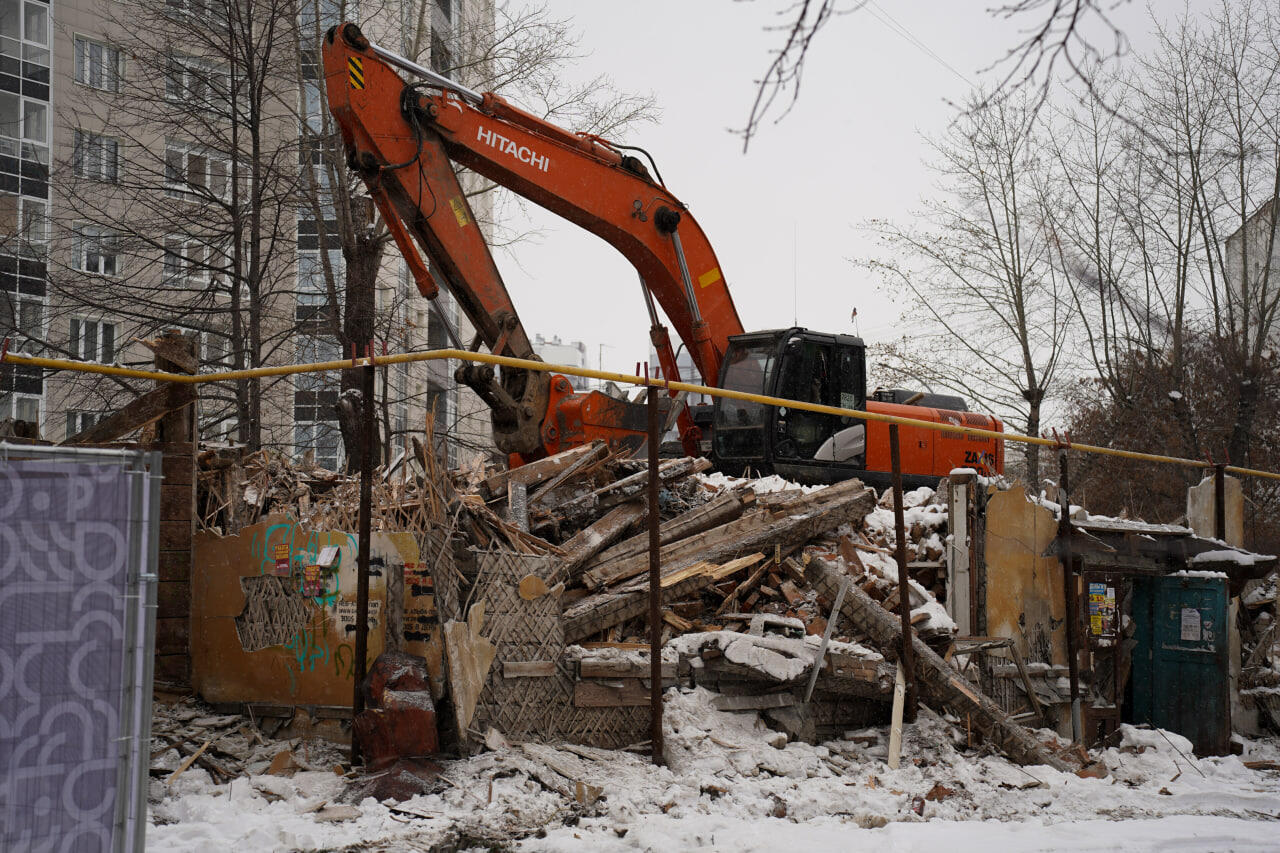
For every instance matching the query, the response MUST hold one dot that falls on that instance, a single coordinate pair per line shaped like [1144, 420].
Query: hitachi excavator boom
[406, 139]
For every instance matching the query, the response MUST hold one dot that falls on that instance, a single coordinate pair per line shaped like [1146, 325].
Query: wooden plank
[734, 566]
[588, 668]
[590, 540]
[700, 568]
[895, 725]
[598, 451]
[191, 759]
[528, 669]
[623, 646]
[534, 472]
[714, 513]
[594, 694]
[753, 703]
[844, 502]
[630, 487]
[173, 349]
[937, 680]
[681, 625]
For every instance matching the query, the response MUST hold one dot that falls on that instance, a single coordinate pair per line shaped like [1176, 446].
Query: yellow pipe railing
[622, 378]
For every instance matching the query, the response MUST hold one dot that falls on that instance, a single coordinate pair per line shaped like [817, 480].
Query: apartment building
[163, 165]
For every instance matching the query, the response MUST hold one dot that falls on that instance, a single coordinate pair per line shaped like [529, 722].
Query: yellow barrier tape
[622, 378]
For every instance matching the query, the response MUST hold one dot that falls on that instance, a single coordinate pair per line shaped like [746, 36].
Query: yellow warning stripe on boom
[355, 72]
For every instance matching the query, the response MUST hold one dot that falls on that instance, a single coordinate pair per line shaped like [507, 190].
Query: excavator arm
[404, 140]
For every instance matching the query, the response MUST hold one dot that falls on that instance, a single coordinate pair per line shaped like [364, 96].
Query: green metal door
[1180, 664]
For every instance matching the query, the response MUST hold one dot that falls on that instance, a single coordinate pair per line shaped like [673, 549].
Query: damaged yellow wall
[1024, 597]
[259, 633]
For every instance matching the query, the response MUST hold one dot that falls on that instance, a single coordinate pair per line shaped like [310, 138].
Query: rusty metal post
[904, 585]
[1220, 501]
[359, 665]
[1069, 596]
[655, 586]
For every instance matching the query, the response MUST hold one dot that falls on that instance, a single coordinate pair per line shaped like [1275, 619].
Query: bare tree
[521, 54]
[986, 313]
[173, 205]
[1056, 31]
[1171, 229]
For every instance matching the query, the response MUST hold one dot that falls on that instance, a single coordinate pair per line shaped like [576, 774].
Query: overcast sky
[784, 217]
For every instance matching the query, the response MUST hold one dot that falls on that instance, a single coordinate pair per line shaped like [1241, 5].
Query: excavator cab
[812, 447]
[799, 365]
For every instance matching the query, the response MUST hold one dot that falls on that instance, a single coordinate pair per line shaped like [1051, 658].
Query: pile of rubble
[751, 572]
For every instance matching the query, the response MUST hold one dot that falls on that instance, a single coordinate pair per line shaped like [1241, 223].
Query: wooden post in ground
[359, 665]
[655, 586]
[895, 725]
[1069, 598]
[904, 577]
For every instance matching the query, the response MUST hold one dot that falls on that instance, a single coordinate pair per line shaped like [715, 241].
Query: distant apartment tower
[555, 351]
[104, 239]
[26, 61]
[1253, 271]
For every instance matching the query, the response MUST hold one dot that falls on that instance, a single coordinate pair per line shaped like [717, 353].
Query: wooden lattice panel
[522, 708]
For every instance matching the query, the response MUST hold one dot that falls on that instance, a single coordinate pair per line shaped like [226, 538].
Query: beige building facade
[122, 215]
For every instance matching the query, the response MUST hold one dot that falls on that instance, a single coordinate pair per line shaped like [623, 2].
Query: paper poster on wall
[1190, 624]
[280, 568]
[347, 613]
[1102, 609]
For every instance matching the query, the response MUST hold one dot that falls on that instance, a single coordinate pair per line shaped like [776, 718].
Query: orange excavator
[405, 138]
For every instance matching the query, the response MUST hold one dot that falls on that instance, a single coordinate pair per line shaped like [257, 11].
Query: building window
[25, 219]
[196, 81]
[441, 55]
[25, 121]
[188, 260]
[96, 157]
[78, 422]
[323, 439]
[313, 292]
[93, 340]
[210, 11]
[24, 31]
[21, 318]
[322, 14]
[98, 65]
[189, 170]
[312, 349]
[20, 407]
[95, 250]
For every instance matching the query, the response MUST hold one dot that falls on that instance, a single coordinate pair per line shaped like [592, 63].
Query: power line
[878, 12]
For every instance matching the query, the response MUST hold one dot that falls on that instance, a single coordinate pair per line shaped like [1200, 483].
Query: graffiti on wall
[274, 611]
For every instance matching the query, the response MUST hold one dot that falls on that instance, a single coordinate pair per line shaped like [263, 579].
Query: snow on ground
[759, 485]
[727, 788]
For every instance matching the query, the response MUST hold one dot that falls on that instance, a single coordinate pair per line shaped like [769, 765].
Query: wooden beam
[144, 410]
[714, 513]
[623, 693]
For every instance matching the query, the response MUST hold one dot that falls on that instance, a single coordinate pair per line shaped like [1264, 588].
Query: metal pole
[904, 585]
[470, 95]
[1069, 593]
[655, 586]
[362, 556]
[1220, 502]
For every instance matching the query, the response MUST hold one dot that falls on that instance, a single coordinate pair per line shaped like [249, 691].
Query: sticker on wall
[280, 551]
[312, 582]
